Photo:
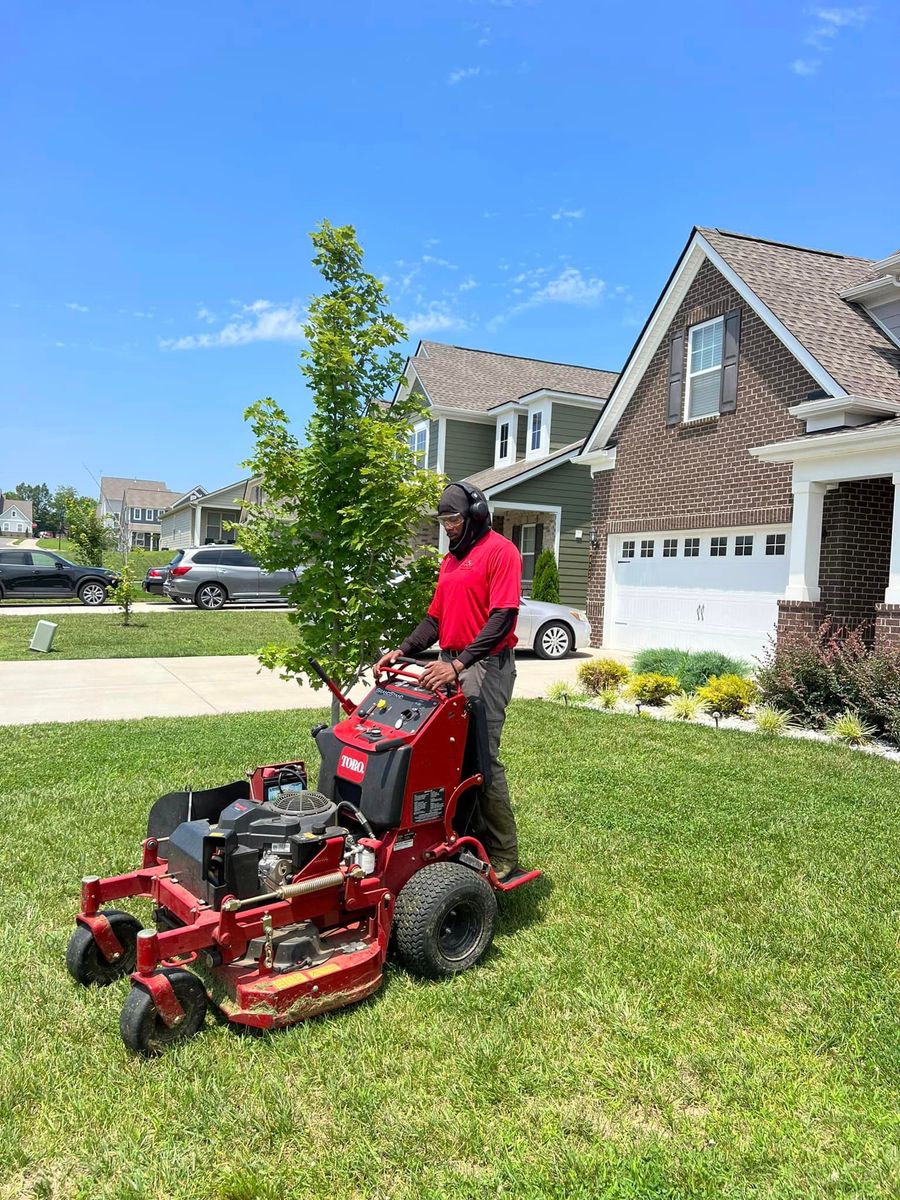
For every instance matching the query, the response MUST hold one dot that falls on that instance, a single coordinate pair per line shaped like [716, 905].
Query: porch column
[806, 542]
[892, 594]
[195, 525]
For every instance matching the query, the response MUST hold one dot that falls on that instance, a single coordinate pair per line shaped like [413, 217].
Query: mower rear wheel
[85, 960]
[444, 920]
[141, 1025]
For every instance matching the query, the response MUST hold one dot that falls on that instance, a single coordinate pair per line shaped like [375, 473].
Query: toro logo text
[351, 767]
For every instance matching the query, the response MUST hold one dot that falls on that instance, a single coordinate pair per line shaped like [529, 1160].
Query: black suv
[28, 574]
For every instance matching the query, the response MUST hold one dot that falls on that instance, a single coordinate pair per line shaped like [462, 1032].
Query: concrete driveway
[109, 689]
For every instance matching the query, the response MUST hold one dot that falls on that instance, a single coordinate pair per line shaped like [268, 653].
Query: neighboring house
[746, 465]
[134, 508]
[200, 517]
[16, 517]
[511, 426]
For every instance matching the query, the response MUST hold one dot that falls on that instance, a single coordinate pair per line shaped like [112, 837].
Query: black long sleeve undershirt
[499, 623]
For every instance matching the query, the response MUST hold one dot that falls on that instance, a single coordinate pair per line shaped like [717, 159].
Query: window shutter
[676, 377]
[730, 349]
[538, 541]
[517, 537]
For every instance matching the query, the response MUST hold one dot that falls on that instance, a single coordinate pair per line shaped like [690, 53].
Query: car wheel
[554, 640]
[92, 593]
[210, 596]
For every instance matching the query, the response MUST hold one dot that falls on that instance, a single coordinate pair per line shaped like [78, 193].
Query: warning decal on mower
[428, 806]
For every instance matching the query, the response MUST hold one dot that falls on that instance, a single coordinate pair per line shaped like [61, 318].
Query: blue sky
[522, 173]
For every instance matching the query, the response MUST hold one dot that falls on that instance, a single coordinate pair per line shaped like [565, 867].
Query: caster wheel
[85, 960]
[444, 920]
[143, 1029]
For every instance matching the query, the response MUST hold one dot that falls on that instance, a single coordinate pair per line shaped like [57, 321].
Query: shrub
[685, 707]
[545, 584]
[730, 695]
[562, 689]
[690, 668]
[833, 671]
[599, 673]
[769, 719]
[850, 728]
[651, 688]
[609, 697]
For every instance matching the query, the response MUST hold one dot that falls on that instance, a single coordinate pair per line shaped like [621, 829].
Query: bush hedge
[651, 687]
[820, 676]
[691, 668]
[545, 585]
[598, 674]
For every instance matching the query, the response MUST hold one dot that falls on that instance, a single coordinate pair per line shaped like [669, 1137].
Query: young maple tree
[341, 509]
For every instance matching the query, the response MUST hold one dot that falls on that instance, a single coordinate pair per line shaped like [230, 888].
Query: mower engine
[276, 903]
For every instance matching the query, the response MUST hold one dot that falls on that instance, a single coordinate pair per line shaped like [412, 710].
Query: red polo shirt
[490, 576]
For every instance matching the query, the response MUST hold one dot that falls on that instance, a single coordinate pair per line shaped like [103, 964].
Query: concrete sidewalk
[110, 689]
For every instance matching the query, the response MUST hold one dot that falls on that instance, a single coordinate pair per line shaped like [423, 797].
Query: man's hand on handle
[439, 674]
[387, 660]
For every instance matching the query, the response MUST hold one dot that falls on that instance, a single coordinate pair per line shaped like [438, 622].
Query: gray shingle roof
[494, 475]
[803, 289]
[479, 380]
[113, 488]
[137, 497]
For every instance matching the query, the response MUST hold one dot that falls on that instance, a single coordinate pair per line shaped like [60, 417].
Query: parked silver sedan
[551, 630]
[211, 576]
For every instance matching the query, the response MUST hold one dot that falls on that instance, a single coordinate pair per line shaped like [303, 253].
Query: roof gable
[796, 293]
[23, 507]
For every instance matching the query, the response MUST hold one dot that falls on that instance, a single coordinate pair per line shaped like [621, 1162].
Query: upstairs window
[537, 420]
[418, 444]
[504, 440]
[704, 381]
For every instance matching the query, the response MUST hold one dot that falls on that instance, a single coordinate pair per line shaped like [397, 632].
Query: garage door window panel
[704, 381]
[743, 545]
[692, 547]
[628, 549]
[718, 547]
[775, 543]
[647, 548]
[670, 547]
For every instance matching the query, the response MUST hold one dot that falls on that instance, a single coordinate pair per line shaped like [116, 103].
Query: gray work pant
[492, 680]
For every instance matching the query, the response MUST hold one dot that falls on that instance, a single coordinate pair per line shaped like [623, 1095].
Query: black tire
[84, 958]
[554, 640]
[181, 599]
[444, 920]
[210, 596]
[92, 592]
[142, 1028]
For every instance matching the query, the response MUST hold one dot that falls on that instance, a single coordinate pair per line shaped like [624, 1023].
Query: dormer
[507, 448]
[879, 295]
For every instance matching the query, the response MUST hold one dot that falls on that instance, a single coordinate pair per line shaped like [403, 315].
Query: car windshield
[65, 562]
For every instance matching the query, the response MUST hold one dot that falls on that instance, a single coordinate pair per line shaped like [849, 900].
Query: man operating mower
[473, 615]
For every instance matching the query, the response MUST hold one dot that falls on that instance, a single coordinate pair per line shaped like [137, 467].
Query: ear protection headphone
[478, 506]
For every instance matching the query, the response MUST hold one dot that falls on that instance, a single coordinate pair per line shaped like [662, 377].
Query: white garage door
[698, 590]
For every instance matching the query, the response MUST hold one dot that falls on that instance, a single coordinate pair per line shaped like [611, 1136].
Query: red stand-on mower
[277, 903]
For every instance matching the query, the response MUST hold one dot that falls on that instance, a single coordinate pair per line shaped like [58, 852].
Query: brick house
[745, 467]
[511, 426]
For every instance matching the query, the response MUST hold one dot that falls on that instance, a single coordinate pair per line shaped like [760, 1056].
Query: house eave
[828, 445]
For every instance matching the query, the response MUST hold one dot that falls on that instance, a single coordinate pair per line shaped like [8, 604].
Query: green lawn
[699, 1000]
[150, 635]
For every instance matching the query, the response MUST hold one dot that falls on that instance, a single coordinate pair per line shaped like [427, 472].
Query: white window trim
[418, 428]
[512, 421]
[545, 409]
[687, 419]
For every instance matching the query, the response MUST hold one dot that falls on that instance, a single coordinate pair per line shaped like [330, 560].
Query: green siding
[470, 448]
[570, 487]
[432, 445]
[570, 424]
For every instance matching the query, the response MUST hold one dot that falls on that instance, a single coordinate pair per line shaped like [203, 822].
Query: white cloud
[462, 73]
[573, 214]
[203, 314]
[439, 262]
[468, 284]
[823, 35]
[570, 286]
[436, 318]
[147, 316]
[267, 323]
[76, 307]
[59, 345]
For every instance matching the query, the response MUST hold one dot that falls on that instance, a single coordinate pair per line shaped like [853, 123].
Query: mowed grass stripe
[699, 1000]
[149, 635]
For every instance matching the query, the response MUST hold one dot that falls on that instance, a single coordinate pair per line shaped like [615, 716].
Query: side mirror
[59, 566]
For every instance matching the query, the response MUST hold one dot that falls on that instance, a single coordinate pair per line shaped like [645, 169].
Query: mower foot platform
[518, 877]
